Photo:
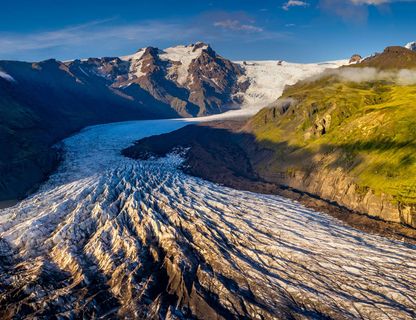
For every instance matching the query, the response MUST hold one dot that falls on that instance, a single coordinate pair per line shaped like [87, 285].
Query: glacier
[110, 237]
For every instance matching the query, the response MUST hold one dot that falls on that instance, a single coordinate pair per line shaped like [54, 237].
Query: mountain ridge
[44, 102]
[193, 80]
[345, 136]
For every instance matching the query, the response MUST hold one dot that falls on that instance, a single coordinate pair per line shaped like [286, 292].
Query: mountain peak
[394, 57]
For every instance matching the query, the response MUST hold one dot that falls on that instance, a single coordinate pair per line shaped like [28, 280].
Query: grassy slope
[370, 133]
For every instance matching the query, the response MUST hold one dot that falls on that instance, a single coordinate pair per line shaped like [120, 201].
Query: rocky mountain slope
[193, 80]
[391, 58]
[41, 103]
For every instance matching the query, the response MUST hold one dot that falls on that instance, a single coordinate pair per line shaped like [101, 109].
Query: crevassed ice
[110, 224]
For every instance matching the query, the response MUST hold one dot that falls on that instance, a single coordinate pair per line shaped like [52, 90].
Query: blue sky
[294, 30]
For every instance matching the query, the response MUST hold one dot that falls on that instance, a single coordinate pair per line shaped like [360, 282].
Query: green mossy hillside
[367, 130]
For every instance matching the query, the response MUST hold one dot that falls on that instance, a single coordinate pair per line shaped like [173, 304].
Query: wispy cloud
[108, 37]
[236, 25]
[354, 10]
[294, 3]
[370, 2]
[90, 34]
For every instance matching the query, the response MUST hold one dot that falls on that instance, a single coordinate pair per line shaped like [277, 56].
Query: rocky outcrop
[151, 77]
[213, 81]
[336, 186]
[355, 58]
[395, 57]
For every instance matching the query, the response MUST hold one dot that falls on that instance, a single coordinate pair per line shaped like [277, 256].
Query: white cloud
[294, 3]
[401, 77]
[370, 2]
[236, 25]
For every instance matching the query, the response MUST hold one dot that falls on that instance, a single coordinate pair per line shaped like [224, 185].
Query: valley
[177, 184]
[112, 237]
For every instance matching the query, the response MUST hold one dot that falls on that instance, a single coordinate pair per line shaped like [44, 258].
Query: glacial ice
[96, 237]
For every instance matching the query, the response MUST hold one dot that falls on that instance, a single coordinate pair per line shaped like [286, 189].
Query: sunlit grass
[370, 127]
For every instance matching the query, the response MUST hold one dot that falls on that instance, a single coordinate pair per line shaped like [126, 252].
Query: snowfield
[269, 78]
[109, 237]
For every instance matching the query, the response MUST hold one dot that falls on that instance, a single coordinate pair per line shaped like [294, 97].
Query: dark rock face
[214, 82]
[154, 81]
[355, 58]
[222, 162]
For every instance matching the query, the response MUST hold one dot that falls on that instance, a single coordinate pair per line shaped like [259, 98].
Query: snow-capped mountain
[193, 80]
[109, 237]
[52, 99]
[411, 46]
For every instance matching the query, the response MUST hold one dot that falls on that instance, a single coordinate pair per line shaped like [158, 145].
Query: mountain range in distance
[345, 136]
[44, 102]
[111, 237]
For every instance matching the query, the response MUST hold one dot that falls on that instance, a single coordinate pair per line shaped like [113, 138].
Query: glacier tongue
[112, 237]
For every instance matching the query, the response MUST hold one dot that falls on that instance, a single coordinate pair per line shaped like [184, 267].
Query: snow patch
[6, 76]
[183, 56]
[411, 46]
[135, 63]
